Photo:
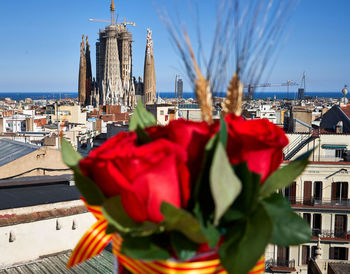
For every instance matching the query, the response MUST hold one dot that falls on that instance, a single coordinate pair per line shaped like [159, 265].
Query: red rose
[144, 176]
[258, 142]
[191, 136]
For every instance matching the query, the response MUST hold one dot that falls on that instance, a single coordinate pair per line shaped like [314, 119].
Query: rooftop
[102, 263]
[346, 110]
[31, 191]
[11, 150]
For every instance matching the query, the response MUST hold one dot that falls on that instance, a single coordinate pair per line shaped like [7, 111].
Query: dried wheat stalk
[233, 101]
[202, 88]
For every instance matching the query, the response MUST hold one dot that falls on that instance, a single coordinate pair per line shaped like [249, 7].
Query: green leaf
[90, 191]
[120, 220]
[289, 228]
[182, 221]
[141, 118]
[142, 136]
[116, 215]
[284, 176]
[223, 132]
[184, 248]
[142, 248]
[69, 156]
[224, 184]
[208, 155]
[211, 233]
[241, 250]
[249, 197]
[233, 214]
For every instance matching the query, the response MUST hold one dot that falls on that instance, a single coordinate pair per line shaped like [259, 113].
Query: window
[305, 254]
[283, 256]
[316, 224]
[318, 190]
[290, 192]
[339, 191]
[162, 112]
[307, 217]
[340, 226]
[339, 153]
[338, 253]
[307, 192]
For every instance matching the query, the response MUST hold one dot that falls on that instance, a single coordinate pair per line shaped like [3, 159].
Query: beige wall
[43, 157]
[41, 238]
[73, 114]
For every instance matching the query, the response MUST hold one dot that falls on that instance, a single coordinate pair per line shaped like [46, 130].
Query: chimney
[339, 127]
[29, 124]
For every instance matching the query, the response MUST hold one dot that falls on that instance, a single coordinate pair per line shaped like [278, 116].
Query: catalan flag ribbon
[95, 240]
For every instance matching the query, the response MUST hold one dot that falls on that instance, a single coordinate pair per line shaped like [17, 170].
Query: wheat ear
[233, 100]
[202, 88]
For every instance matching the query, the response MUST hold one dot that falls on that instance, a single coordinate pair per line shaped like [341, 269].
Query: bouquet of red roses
[197, 196]
[179, 190]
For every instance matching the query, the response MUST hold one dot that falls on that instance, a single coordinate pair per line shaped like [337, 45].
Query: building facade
[320, 196]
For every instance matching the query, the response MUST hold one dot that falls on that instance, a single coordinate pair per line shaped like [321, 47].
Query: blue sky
[40, 42]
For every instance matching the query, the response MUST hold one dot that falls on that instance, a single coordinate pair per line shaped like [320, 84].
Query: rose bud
[144, 176]
[258, 142]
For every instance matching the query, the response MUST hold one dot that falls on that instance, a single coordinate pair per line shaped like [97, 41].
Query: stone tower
[85, 74]
[114, 80]
[111, 85]
[149, 74]
[88, 100]
[82, 74]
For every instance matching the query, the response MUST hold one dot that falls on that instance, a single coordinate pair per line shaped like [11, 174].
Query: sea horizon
[41, 95]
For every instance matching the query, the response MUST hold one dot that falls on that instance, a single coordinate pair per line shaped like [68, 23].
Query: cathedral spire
[149, 74]
[88, 73]
[82, 74]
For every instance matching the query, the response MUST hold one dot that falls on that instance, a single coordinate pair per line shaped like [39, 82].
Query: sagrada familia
[114, 83]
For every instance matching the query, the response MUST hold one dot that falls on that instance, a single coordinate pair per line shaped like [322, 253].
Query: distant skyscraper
[149, 77]
[301, 90]
[179, 88]
[301, 93]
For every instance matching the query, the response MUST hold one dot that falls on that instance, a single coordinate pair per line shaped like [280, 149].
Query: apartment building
[320, 196]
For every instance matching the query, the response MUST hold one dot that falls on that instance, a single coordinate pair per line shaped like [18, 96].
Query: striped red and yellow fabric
[95, 240]
[172, 267]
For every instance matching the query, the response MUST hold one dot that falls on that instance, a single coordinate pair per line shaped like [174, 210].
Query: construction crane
[113, 21]
[251, 87]
[124, 23]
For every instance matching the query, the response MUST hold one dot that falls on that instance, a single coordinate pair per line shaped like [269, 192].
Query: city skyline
[40, 51]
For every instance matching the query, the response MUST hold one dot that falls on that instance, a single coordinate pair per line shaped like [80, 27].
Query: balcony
[331, 235]
[320, 203]
[281, 265]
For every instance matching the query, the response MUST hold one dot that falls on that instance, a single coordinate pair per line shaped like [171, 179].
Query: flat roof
[32, 195]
